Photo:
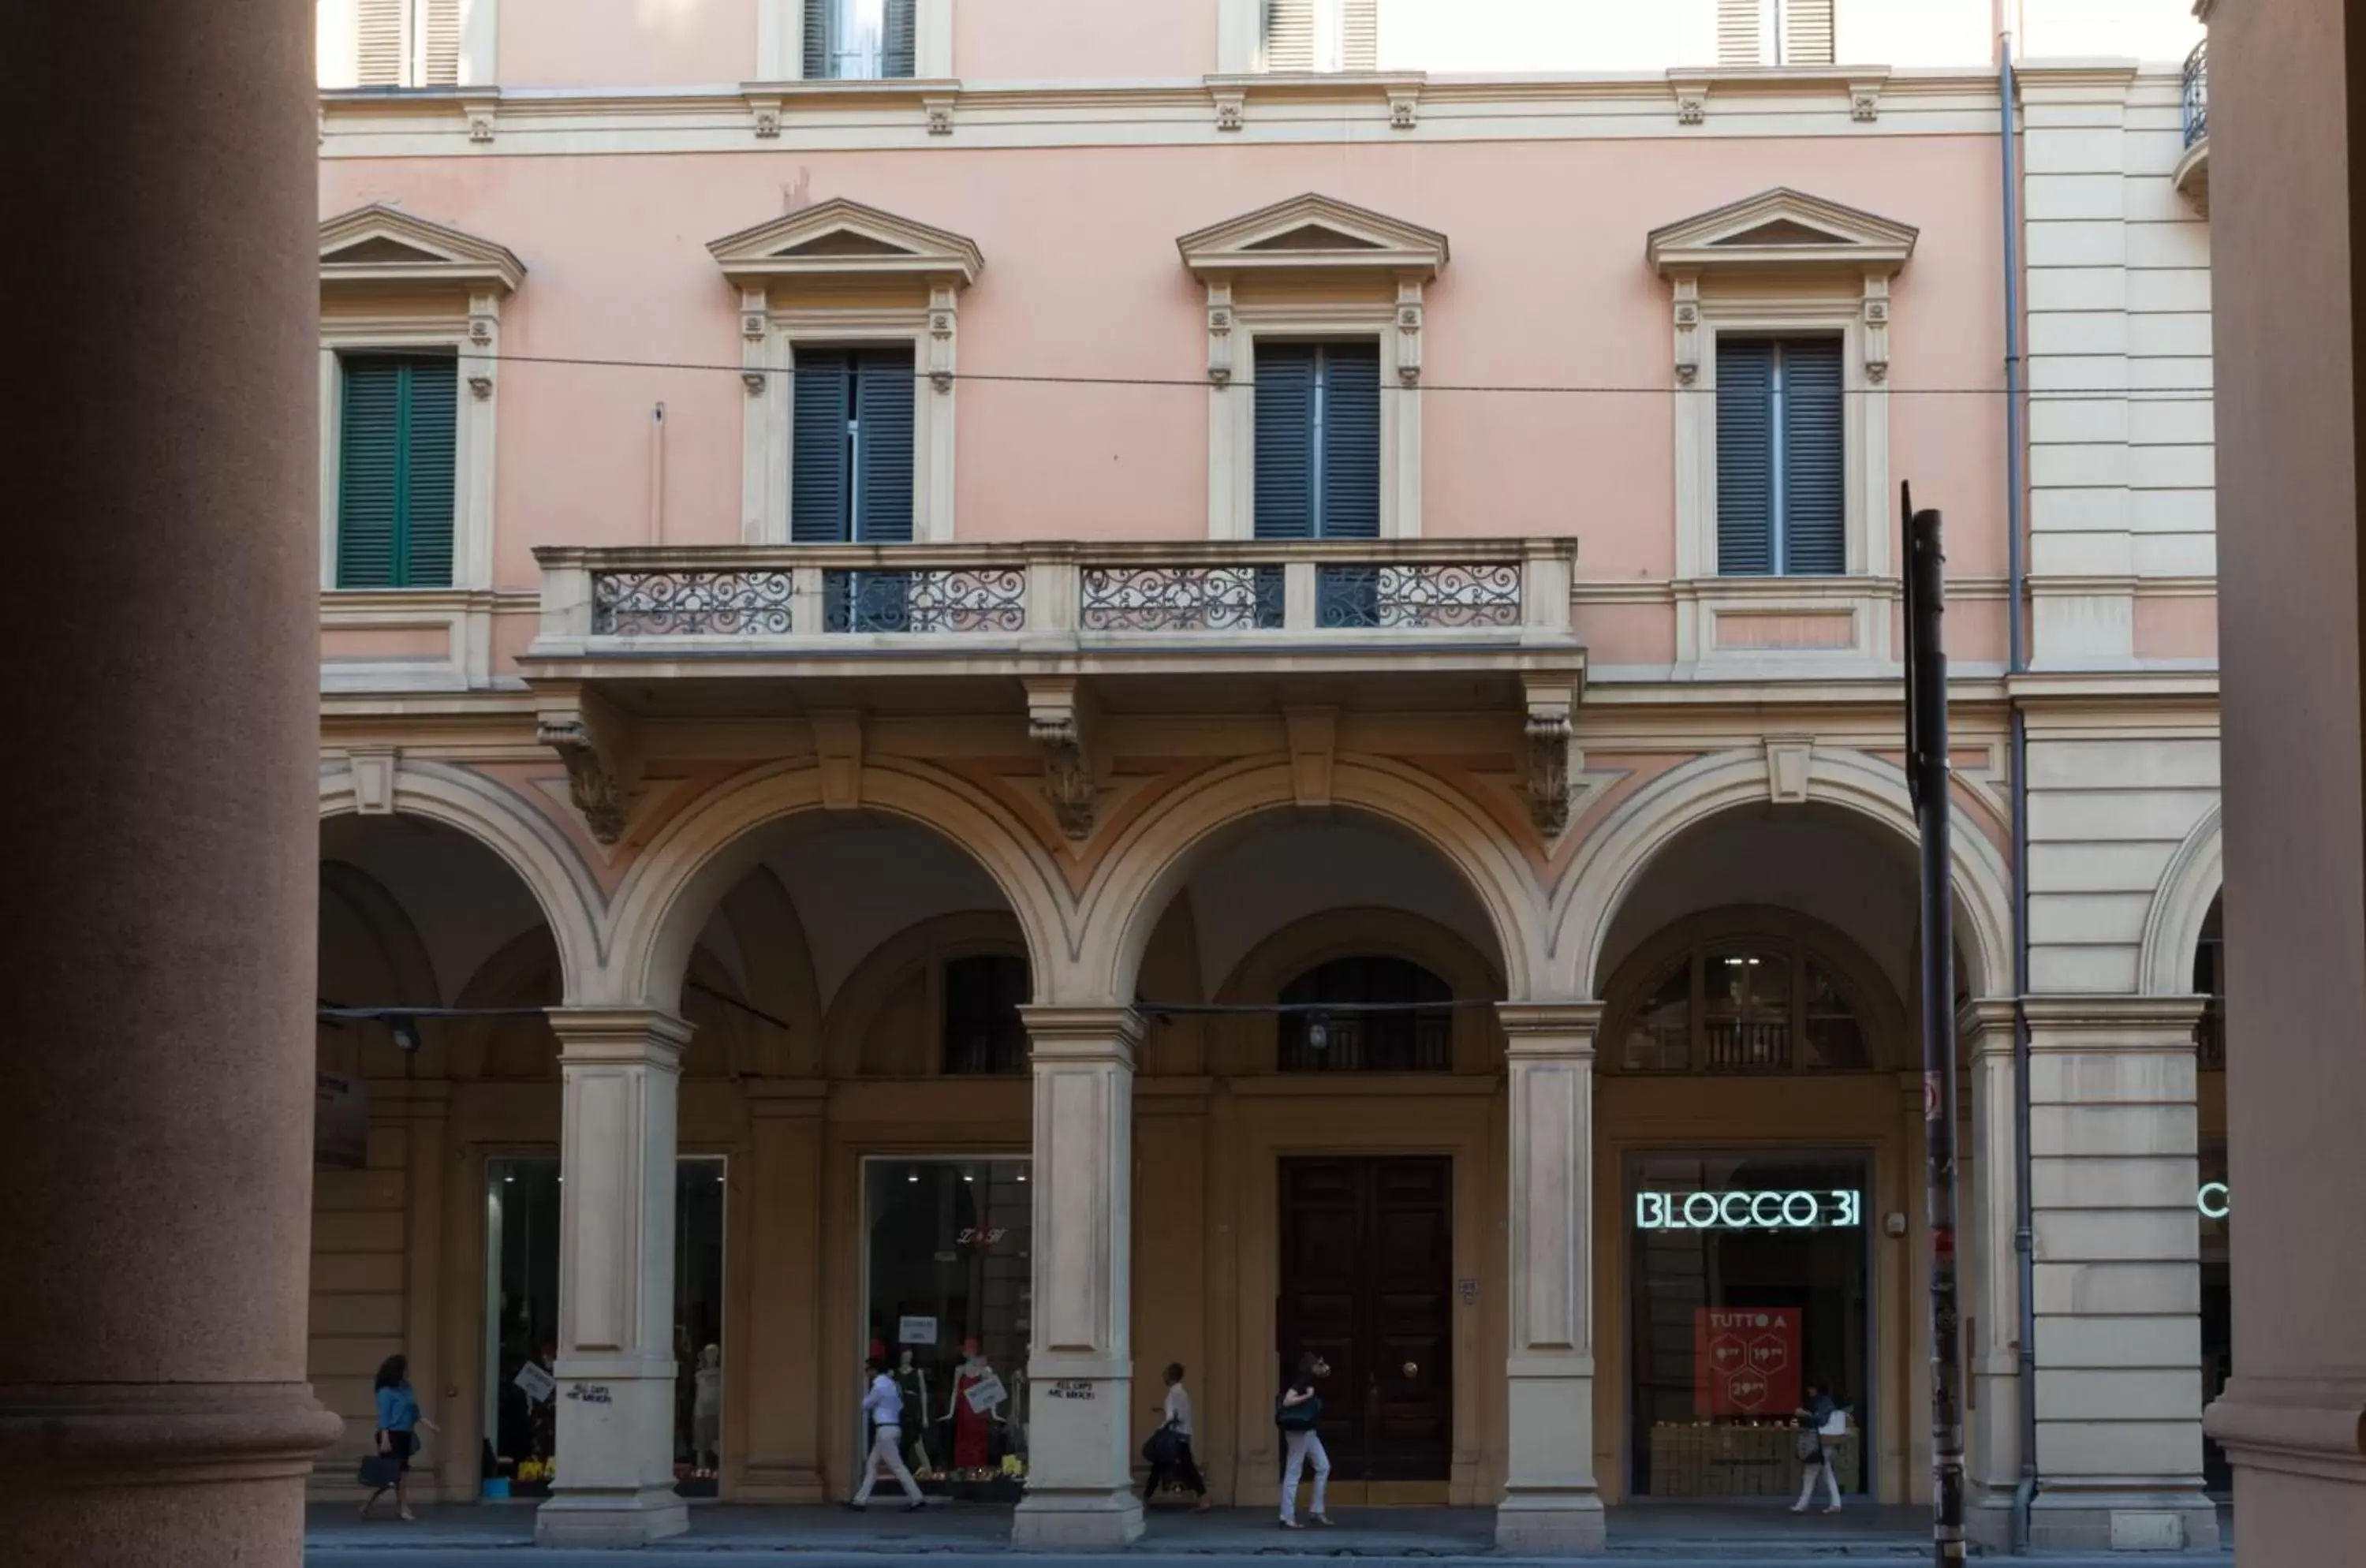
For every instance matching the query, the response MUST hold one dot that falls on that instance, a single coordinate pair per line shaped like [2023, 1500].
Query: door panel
[1367, 1266]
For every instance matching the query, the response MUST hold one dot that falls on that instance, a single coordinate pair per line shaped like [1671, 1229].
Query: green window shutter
[883, 446]
[816, 40]
[1349, 481]
[396, 453]
[1283, 476]
[821, 403]
[369, 470]
[899, 60]
[1815, 479]
[1745, 457]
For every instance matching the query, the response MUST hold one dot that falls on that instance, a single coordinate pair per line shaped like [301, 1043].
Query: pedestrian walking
[1823, 1423]
[1169, 1448]
[398, 1420]
[1296, 1414]
[883, 1403]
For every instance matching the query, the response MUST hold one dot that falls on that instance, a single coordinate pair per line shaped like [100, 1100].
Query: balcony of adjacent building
[2192, 174]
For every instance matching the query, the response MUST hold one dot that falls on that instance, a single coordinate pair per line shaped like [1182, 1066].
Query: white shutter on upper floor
[1740, 31]
[1290, 35]
[1359, 35]
[1807, 33]
[380, 49]
[438, 22]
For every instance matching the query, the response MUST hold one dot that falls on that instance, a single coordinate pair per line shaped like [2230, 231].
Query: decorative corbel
[480, 113]
[1220, 334]
[1550, 759]
[1865, 100]
[1314, 748]
[590, 739]
[1692, 98]
[484, 321]
[1788, 760]
[755, 382]
[1056, 722]
[374, 770]
[754, 323]
[767, 118]
[940, 115]
[1404, 107]
[837, 752]
[1876, 328]
[1230, 109]
[1688, 318]
[1409, 331]
[940, 337]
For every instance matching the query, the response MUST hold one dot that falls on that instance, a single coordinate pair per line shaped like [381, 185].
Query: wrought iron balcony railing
[2197, 93]
[836, 597]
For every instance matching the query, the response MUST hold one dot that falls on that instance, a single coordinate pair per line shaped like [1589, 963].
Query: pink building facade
[1038, 691]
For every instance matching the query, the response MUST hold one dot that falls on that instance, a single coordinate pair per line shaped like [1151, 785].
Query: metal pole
[1926, 777]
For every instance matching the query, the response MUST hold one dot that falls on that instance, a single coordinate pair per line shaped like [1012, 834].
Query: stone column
[1992, 1300]
[160, 705]
[622, 1070]
[1551, 1502]
[2118, 1285]
[1080, 1352]
[426, 1108]
[781, 1364]
[2287, 85]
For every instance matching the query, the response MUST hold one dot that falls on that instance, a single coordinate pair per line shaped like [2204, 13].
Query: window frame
[781, 38]
[1317, 429]
[1778, 534]
[338, 23]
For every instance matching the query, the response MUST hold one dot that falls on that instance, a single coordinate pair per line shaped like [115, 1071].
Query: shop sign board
[1746, 1362]
[1798, 1209]
[986, 1394]
[916, 1331]
[340, 1121]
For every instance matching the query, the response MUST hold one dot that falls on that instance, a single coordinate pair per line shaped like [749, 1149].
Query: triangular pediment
[385, 244]
[845, 239]
[1782, 228]
[1313, 232]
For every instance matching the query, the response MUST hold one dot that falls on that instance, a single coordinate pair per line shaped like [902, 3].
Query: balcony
[2192, 174]
[1128, 608]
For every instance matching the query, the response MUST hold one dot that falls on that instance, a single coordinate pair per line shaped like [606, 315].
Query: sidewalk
[1752, 1534]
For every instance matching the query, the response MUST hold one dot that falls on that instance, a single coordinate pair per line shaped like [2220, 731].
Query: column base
[1077, 1518]
[2123, 1522]
[1552, 1524]
[610, 1518]
[1987, 1521]
[778, 1483]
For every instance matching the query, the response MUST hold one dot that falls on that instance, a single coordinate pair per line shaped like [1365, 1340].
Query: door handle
[1412, 1370]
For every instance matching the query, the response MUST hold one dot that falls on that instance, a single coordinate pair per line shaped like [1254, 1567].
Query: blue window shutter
[1350, 480]
[821, 400]
[882, 445]
[1284, 473]
[900, 58]
[430, 457]
[1745, 457]
[1814, 481]
[369, 471]
[816, 40]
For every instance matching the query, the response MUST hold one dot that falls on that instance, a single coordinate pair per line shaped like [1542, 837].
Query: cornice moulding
[840, 238]
[1365, 242]
[1781, 227]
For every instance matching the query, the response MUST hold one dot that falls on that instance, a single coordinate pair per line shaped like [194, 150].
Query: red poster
[1746, 1362]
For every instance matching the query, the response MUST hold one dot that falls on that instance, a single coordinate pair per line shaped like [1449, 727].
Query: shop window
[521, 1326]
[2210, 982]
[984, 1033]
[1755, 1007]
[947, 1310]
[1749, 1286]
[1414, 1035]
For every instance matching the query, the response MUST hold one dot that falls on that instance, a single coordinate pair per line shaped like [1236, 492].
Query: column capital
[1082, 1033]
[2125, 1020]
[1549, 1029]
[619, 1035]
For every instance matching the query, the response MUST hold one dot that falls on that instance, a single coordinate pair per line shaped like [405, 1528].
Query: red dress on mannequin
[971, 1427]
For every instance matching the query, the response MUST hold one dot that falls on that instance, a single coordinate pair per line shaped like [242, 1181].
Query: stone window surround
[902, 287]
[480, 33]
[781, 33]
[1720, 283]
[1373, 290]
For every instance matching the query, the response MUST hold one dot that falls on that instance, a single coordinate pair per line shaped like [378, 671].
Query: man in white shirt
[883, 1403]
[1178, 1462]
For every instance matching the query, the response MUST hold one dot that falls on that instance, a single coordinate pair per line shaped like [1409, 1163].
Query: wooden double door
[1366, 1284]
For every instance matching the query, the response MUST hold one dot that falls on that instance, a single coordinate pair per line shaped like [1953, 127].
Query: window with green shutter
[850, 457]
[1782, 486]
[397, 449]
[1317, 471]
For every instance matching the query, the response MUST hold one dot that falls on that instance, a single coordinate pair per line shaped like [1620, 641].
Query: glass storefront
[521, 1324]
[1748, 1284]
[946, 1308]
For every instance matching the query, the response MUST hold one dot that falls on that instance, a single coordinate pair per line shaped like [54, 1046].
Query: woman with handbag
[398, 1421]
[1296, 1414]
[1823, 1423]
[1169, 1448]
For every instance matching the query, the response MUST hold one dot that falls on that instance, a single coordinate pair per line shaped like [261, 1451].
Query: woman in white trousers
[1828, 1420]
[1301, 1407]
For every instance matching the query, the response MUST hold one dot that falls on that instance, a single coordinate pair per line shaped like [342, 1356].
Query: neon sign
[2214, 1201]
[1798, 1211]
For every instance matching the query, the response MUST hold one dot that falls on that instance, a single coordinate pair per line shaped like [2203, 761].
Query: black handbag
[1163, 1446]
[1303, 1416]
[380, 1470]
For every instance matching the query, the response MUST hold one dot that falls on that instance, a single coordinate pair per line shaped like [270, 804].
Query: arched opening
[1758, 1156]
[1318, 1123]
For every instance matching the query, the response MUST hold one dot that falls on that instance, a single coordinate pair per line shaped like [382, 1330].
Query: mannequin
[914, 1381]
[973, 1428]
[707, 1414]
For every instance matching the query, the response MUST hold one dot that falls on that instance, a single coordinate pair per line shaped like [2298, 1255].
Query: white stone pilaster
[621, 1071]
[1992, 1300]
[1080, 1353]
[1550, 1502]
